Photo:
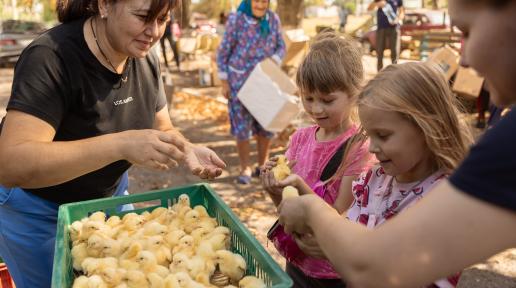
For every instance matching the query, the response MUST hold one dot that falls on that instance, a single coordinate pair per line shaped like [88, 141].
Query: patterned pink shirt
[378, 197]
[312, 156]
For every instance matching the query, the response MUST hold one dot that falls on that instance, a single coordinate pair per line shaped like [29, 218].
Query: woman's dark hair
[69, 10]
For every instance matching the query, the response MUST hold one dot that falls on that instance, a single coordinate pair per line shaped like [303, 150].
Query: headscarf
[245, 7]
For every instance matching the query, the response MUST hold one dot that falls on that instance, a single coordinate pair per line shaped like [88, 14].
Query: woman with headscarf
[252, 34]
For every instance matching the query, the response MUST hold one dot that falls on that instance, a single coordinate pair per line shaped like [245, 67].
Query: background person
[389, 17]
[252, 35]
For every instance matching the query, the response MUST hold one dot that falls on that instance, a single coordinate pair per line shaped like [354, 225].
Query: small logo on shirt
[124, 101]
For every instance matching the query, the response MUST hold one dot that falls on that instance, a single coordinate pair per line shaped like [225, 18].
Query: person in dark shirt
[87, 102]
[462, 221]
[389, 16]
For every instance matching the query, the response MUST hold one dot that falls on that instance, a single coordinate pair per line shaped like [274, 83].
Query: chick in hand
[289, 191]
[281, 170]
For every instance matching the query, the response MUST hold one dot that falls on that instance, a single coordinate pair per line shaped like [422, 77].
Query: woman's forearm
[425, 243]
[34, 164]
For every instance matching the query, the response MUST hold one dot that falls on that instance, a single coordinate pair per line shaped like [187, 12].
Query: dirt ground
[200, 114]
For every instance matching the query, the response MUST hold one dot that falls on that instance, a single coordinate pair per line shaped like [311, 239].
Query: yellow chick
[231, 264]
[111, 248]
[154, 228]
[171, 281]
[136, 279]
[186, 245]
[92, 265]
[230, 286]
[113, 276]
[179, 263]
[166, 217]
[131, 222]
[98, 216]
[75, 231]
[172, 238]
[281, 170]
[186, 281]
[155, 281]
[219, 241]
[96, 243]
[113, 221]
[203, 213]
[128, 259]
[148, 264]
[207, 223]
[191, 219]
[79, 253]
[88, 228]
[96, 281]
[157, 246]
[199, 234]
[80, 282]
[289, 192]
[184, 200]
[251, 282]
[146, 215]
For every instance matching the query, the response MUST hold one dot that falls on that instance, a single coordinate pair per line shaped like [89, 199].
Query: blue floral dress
[242, 48]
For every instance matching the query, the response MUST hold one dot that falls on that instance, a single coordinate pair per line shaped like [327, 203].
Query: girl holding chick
[329, 154]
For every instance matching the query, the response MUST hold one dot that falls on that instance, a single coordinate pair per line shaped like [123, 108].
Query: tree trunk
[290, 12]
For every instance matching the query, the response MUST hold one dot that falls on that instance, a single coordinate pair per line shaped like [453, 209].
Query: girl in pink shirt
[328, 155]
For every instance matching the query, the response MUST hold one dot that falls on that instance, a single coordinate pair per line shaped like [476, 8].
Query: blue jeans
[28, 232]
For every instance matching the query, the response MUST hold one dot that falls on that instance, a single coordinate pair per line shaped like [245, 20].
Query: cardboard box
[447, 59]
[268, 94]
[296, 46]
[467, 82]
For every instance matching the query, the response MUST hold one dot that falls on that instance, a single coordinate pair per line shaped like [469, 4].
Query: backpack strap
[331, 167]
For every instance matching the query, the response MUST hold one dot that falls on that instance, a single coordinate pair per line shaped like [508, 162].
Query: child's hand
[269, 183]
[308, 244]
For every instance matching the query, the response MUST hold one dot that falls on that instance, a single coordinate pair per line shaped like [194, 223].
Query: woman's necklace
[124, 79]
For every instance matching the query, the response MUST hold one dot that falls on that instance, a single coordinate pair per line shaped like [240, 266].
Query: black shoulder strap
[334, 163]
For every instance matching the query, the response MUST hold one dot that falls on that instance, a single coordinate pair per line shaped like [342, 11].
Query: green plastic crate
[259, 262]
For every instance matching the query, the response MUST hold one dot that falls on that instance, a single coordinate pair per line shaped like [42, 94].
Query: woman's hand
[203, 162]
[309, 245]
[151, 148]
[294, 212]
[226, 90]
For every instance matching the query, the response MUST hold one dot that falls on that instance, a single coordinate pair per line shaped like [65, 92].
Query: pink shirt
[378, 197]
[312, 156]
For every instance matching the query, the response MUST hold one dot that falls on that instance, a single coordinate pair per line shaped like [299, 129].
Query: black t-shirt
[489, 172]
[59, 80]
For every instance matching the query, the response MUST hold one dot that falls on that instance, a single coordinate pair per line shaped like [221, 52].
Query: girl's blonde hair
[333, 63]
[420, 93]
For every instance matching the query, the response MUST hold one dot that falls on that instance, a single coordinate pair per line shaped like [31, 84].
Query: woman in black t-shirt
[465, 219]
[87, 102]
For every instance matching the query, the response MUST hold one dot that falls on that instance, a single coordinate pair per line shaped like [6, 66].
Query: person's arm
[279, 52]
[401, 14]
[202, 161]
[443, 233]
[345, 197]
[375, 4]
[31, 159]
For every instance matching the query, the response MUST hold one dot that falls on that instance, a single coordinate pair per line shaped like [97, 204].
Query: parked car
[15, 35]
[414, 22]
